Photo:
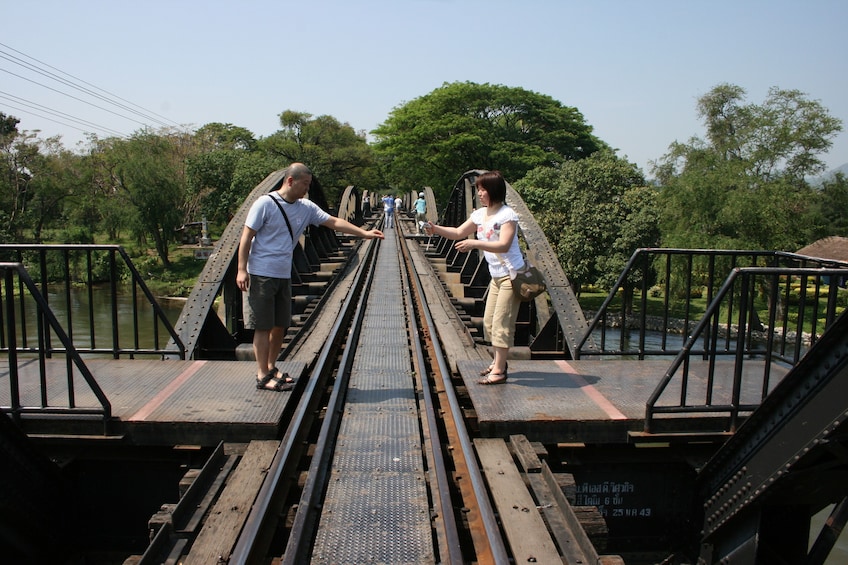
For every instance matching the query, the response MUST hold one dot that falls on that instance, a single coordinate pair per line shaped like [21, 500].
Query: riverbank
[678, 326]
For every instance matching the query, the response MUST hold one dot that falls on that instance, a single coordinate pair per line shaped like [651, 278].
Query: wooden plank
[594, 525]
[580, 539]
[525, 453]
[566, 539]
[524, 527]
[454, 336]
[567, 485]
[226, 519]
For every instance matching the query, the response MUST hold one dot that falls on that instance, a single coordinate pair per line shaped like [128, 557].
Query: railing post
[741, 338]
[113, 287]
[11, 341]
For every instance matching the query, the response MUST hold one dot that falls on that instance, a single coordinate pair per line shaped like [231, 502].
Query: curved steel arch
[350, 205]
[560, 324]
[430, 198]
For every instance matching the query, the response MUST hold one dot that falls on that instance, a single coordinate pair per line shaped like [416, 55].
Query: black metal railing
[33, 394]
[761, 310]
[97, 293]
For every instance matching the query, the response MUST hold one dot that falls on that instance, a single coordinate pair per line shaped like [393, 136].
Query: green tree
[209, 178]
[830, 210]
[38, 177]
[19, 152]
[102, 206]
[595, 212]
[227, 166]
[337, 154]
[146, 173]
[460, 126]
[217, 136]
[744, 186]
[56, 178]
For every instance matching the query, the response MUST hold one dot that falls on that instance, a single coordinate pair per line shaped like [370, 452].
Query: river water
[76, 309]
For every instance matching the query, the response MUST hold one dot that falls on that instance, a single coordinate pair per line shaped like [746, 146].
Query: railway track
[378, 454]
[288, 521]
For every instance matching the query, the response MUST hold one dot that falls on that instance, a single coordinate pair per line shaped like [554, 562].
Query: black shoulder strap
[283, 212]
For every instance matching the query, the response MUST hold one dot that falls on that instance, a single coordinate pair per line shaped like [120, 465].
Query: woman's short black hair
[493, 183]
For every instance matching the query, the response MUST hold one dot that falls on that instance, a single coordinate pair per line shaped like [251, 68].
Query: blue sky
[634, 69]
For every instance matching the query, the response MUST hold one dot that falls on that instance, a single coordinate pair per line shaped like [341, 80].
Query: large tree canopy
[460, 126]
[595, 212]
[337, 154]
[146, 173]
[744, 186]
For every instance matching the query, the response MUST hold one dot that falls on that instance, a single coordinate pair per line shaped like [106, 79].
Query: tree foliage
[337, 155]
[18, 153]
[595, 212]
[744, 186]
[216, 136]
[146, 176]
[434, 139]
[38, 176]
[830, 208]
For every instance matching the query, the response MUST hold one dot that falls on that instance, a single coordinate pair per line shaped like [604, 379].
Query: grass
[655, 306]
[178, 279]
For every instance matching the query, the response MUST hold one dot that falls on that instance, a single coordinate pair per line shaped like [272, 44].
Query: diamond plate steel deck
[376, 509]
[167, 401]
[592, 401]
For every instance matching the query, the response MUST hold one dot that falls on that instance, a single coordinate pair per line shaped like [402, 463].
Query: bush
[77, 234]
[795, 293]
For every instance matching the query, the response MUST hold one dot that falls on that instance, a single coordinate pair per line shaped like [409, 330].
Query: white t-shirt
[272, 248]
[490, 230]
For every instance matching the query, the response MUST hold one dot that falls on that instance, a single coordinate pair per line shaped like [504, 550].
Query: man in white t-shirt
[273, 226]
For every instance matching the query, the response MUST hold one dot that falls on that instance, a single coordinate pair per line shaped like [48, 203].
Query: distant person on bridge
[389, 209]
[497, 237]
[420, 212]
[366, 205]
[273, 226]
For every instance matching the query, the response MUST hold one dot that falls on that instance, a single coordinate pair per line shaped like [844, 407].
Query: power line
[28, 66]
[124, 105]
[74, 97]
[147, 111]
[63, 115]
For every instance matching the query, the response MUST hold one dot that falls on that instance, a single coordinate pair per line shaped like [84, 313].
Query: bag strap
[523, 257]
[285, 216]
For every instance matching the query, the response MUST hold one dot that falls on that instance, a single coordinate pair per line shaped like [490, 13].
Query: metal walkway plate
[167, 401]
[376, 508]
[591, 401]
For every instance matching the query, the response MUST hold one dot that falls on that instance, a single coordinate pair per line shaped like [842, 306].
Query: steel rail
[496, 545]
[411, 281]
[251, 536]
[303, 527]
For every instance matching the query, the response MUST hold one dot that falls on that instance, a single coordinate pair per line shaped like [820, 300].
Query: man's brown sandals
[275, 381]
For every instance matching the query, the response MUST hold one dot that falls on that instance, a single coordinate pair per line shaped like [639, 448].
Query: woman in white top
[496, 226]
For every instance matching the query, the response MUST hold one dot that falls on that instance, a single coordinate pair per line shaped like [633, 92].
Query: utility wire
[74, 97]
[63, 115]
[55, 121]
[163, 120]
[146, 114]
[90, 93]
